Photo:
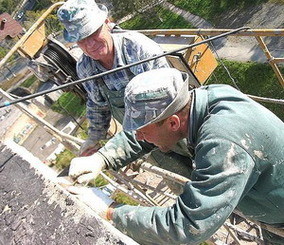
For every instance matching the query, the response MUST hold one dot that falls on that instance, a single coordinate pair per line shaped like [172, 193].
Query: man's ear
[174, 122]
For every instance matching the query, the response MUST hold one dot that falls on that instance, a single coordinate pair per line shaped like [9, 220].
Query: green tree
[123, 8]
[8, 6]
[52, 23]
[44, 4]
[4, 51]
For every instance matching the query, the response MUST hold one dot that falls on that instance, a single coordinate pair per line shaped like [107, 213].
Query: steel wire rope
[224, 66]
[69, 114]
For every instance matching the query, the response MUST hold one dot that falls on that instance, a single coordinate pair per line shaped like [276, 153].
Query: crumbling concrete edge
[54, 192]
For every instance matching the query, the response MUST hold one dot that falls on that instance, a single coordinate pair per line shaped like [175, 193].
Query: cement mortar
[36, 210]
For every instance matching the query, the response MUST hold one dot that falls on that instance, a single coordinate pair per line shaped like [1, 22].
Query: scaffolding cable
[8, 103]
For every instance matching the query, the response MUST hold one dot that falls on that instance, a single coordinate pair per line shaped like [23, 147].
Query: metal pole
[270, 60]
[210, 32]
[164, 173]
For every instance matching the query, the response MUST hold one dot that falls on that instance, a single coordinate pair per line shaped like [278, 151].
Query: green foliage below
[29, 82]
[63, 159]
[252, 78]
[163, 19]
[52, 24]
[124, 199]
[82, 133]
[8, 6]
[69, 104]
[118, 197]
[211, 9]
[43, 4]
[4, 51]
[125, 7]
[98, 182]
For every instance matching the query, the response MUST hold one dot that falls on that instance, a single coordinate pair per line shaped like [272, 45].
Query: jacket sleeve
[218, 183]
[124, 149]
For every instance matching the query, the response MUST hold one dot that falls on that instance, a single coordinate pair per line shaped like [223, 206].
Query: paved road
[243, 48]
[42, 144]
[8, 116]
[20, 65]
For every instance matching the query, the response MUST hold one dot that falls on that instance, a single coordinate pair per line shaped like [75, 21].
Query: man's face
[159, 135]
[99, 45]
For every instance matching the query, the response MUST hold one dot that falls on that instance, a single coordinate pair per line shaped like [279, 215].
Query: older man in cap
[238, 157]
[86, 24]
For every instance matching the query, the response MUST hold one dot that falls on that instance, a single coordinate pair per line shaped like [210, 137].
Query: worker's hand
[94, 198]
[84, 169]
[89, 147]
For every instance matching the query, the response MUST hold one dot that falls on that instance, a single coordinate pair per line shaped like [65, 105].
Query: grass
[211, 9]
[63, 159]
[29, 82]
[124, 199]
[252, 78]
[82, 133]
[163, 19]
[69, 104]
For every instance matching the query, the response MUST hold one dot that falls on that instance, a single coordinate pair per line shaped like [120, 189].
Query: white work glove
[89, 147]
[94, 198]
[84, 169]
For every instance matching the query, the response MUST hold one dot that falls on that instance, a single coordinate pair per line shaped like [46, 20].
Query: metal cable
[224, 66]
[8, 103]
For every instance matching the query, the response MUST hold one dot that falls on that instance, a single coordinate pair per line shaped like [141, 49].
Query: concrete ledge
[34, 209]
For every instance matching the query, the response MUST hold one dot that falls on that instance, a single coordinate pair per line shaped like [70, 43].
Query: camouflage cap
[153, 96]
[81, 18]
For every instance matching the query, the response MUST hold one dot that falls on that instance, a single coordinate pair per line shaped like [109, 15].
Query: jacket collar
[198, 112]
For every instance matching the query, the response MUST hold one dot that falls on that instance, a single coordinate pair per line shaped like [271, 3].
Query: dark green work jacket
[238, 163]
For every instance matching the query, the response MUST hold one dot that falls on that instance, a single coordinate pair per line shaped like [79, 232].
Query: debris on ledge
[35, 209]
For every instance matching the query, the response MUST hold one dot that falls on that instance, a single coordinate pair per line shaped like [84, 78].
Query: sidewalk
[238, 48]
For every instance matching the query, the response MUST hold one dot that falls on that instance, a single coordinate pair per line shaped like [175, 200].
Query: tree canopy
[8, 6]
